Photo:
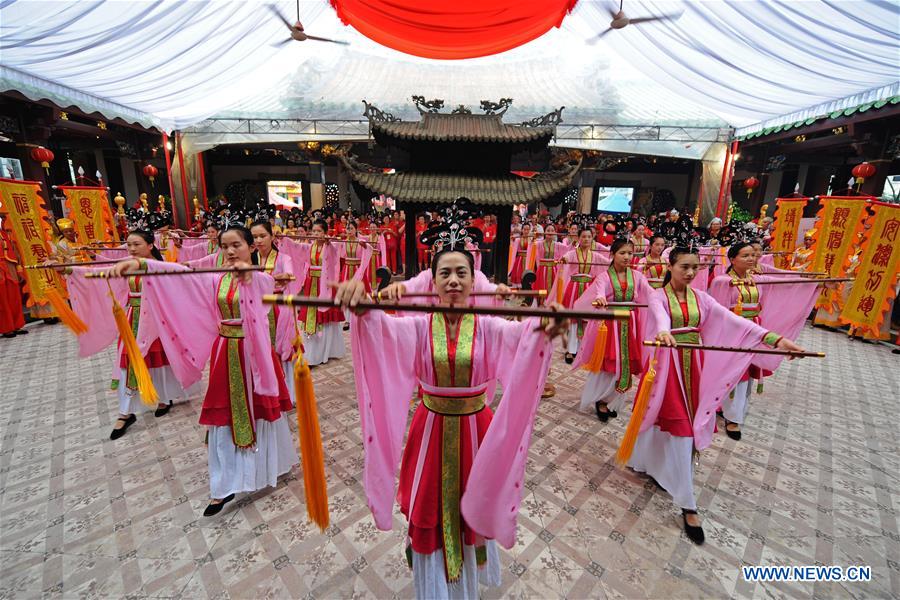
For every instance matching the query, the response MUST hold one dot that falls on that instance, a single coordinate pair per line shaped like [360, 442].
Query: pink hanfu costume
[461, 473]
[580, 270]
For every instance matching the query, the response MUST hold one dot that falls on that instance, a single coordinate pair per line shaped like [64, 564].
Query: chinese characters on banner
[788, 213]
[840, 219]
[876, 277]
[89, 209]
[24, 216]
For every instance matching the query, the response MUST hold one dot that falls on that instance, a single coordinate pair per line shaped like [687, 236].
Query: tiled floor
[816, 480]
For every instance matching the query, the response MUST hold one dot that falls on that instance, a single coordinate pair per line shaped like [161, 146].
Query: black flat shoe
[214, 509]
[117, 433]
[570, 358]
[9, 335]
[21, 332]
[694, 533]
[603, 415]
[346, 326]
[733, 434]
[162, 411]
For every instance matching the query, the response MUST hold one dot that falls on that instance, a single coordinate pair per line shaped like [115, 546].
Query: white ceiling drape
[174, 64]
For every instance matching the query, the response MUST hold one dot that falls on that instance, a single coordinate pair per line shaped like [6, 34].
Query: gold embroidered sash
[689, 334]
[228, 298]
[457, 373]
[623, 295]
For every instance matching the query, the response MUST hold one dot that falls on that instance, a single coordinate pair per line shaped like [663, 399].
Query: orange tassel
[595, 364]
[171, 254]
[559, 285]
[65, 312]
[641, 402]
[133, 352]
[311, 452]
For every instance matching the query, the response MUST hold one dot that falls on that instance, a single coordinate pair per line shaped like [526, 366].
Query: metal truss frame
[358, 129]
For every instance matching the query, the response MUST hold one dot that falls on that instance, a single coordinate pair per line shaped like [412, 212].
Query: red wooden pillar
[165, 140]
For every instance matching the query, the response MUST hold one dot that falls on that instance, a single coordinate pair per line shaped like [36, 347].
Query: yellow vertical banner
[876, 278]
[839, 221]
[24, 216]
[788, 212]
[89, 209]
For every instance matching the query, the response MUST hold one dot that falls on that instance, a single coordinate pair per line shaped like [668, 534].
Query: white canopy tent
[721, 64]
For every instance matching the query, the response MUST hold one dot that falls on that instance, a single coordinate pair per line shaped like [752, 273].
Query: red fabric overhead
[452, 29]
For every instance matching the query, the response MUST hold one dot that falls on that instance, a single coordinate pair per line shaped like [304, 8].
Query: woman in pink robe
[548, 252]
[220, 318]
[604, 390]
[91, 301]
[520, 254]
[320, 263]
[580, 268]
[690, 384]
[461, 472]
[282, 319]
[782, 307]
[653, 265]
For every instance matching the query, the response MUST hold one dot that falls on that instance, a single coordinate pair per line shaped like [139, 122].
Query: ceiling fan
[297, 31]
[620, 20]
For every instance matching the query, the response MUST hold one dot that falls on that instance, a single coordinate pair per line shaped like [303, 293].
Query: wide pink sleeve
[285, 322]
[420, 283]
[204, 262]
[598, 289]
[254, 315]
[722, 290]
[721, 370]
[299, 255]
[91, 302]
[364, 253]
[785, 308]
[384, 349]
[185, 315]
[193, 251]
[563, 273]
[112, 254]
[490, 503]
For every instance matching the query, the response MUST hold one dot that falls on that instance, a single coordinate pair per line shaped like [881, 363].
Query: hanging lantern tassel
[641, 402]
[862, 171]
[133, 352]
[65, 312]
[595, 364]
[311, 452]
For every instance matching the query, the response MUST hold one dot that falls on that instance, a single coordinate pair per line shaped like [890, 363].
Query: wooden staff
[621, 304]
[326, 238]
[142, 273]
[77, 264]
[807, 280]
[730, 349]
[102, 244]
[532, 293]
[793, 273]
[504, 311]
[778, 252]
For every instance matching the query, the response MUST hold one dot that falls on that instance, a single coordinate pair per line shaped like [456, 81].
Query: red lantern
[750, 184]
[862, 171]
[43, 156]
[151, 172]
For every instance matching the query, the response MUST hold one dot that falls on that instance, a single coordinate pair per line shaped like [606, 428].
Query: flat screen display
[613, 199]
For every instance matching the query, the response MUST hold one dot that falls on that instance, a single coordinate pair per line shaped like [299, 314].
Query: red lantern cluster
[43, 156]
[750, 184]
[862, 171]
[150, 172]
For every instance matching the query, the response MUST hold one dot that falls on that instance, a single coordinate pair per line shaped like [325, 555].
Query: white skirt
[667, 459]
[167, 389]
[734, 405]
[288, 368]
[325, 344]
[233, 470]
[430, 578]
[601, 387]
[573, 342]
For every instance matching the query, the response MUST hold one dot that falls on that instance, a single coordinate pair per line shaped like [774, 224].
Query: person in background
[12, 319]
